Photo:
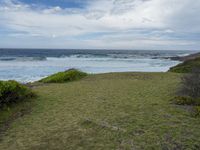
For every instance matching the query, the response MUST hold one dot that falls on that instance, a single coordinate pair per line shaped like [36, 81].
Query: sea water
[28, 65]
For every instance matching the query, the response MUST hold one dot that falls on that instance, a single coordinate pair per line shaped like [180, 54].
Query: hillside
[187, 66]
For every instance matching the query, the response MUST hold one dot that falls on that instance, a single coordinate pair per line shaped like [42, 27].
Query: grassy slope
[109, 111]
[66, 76]
[186, 66]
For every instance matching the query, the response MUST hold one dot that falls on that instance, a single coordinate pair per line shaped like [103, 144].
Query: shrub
[180, 100]
[197, 111]
[184, 100]
[12, 92]
[66, 76]
[189, 93]
[191, 84]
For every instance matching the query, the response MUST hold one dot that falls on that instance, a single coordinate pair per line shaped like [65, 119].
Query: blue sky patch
[60, 3]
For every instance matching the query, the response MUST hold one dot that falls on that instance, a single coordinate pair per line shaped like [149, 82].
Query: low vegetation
[187, 66]
[185, 100]
[13, 92]
[189, 91]
[107, 111]
[197, 111]
[66, 76]
[191, 84]
[15, 101]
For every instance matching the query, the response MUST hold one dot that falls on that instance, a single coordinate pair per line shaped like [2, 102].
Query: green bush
[12, 92]
[66, 76]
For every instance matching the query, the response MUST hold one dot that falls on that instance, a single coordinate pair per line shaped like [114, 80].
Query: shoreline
[92, 74]
[27, 67]
[180, 59]
[184, 58]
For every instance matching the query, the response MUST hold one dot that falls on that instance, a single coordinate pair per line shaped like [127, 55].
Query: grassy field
[118, 111]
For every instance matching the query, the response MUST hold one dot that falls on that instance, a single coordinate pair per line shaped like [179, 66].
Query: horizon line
[99, 49]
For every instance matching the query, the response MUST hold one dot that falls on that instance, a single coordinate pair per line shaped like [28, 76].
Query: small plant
[12, 92]
[180, 100]
[185, 100]
[66, 76]
[197, 111]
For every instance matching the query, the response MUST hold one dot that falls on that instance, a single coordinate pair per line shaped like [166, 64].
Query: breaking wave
[31, 65]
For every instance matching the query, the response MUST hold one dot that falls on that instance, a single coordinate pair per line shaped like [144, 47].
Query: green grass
[106, 112]
[11, 112]
[66, 76]
[186, 66]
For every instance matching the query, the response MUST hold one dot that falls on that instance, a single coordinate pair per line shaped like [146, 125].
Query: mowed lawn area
[115, 111]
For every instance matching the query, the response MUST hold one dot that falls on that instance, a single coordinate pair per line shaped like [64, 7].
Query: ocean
[28, 65]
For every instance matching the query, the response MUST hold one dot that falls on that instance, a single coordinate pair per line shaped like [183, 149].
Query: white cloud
[131, 21]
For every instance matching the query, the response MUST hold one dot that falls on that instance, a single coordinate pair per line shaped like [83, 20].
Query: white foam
[29, 70]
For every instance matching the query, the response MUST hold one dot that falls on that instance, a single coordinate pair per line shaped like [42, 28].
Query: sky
[100, 24]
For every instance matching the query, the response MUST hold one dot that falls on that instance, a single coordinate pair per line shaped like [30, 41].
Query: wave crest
[23, 58]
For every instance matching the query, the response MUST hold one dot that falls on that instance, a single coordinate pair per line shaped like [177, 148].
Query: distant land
[189, 63]
[185, 58]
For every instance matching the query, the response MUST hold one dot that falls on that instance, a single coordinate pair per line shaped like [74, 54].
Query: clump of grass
[197, 111]
[12, 92]
[66, 76]
[186, 100]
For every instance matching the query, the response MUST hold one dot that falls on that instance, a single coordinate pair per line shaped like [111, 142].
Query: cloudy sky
[102, 24]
